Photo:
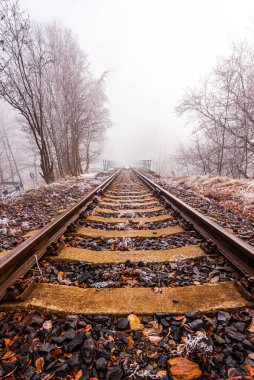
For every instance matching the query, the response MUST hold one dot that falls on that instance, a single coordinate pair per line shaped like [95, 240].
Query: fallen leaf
[135, 323]
[78, 374]
[7, 342]
[250, 369]
[8, 355]
[181, 368]
[130, 342]
[39, 364]
[155, 339]
[88, 328]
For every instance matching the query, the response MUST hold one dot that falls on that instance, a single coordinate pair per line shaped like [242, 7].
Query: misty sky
[154, 50]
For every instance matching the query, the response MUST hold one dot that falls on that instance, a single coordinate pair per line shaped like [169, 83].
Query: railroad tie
[72, 254]
[135, 210]
[109, 234]
[121, 301]
[151, 219]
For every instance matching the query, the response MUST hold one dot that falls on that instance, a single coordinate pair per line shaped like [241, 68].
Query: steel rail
[237, 251]
[16, 263]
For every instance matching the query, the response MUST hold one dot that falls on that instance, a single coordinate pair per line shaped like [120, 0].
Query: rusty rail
[23, 257]
[237, 251]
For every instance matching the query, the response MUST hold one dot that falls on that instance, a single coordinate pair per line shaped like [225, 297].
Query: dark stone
[249, 361]
[110, 345]
[58, 339]
[232, 334]
[122, 337]
[218, 339]
[144, 320]
[87, 351]
[94, 373]
[164, 322]
[85, 276]
[51, 365]
[227, 351]
[88, 344]
[29, 372]
[82, 324]
[190, 315]
[197, 323]
[230, 362]
[70, 334]
[114, 373]
[123, 324]
[76, 342]
[128, 264]
[63, 370]
[74, 360]
[46, 347]
[240, 326]
[137, 334]
[238, 355]
[37, 320]
[223, 316]
[9, 367]
[101, 365]
[248, 345]
[104, 354]
[162, 362]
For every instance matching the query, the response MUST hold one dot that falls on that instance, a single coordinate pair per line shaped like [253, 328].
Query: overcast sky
[154, 50]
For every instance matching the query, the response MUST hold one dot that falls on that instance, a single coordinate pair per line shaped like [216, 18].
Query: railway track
[129, 249]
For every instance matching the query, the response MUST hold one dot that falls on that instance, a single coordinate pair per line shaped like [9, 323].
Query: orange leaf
[130, 342]
[250, 369]
[56, 352]
[39, 364]
[179, 317]
[78, 374]
[8, 355]
[7, 342]
[88, 328]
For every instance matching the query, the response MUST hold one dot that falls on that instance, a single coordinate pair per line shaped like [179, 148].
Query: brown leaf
[135, 323]
[56, 353]
[130, 342]
[88, 328]
[78, 374]
[181, 368]
[39, 364]
[250, 369]
[7, 342]
[179, 317]
[111, 338]
[113, 246]
[7, 355]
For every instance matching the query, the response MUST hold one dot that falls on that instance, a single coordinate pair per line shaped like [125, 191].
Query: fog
[153, 50]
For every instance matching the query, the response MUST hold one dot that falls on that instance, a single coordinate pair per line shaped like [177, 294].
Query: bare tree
[44, 75]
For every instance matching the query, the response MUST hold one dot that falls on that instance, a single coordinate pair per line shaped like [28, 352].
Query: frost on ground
[233, 193]
[35, 208]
